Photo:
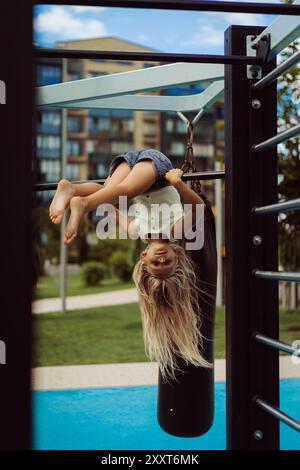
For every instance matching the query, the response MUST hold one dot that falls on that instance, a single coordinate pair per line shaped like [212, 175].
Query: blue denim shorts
[161, 163]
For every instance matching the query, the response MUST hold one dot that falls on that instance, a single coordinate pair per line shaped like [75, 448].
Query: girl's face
[160, 258]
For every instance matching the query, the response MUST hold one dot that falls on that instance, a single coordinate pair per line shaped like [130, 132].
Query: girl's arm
[188, 196]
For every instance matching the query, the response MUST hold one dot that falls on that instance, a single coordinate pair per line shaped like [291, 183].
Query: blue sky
[166, 31]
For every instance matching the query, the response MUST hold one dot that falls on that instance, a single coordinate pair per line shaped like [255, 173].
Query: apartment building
[95, 136]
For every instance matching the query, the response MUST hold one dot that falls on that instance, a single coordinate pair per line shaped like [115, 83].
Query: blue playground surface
[125, 418]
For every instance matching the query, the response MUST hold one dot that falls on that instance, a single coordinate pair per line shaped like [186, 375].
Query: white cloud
[221, 18]
[210, 28]
[143, 38]
[250, 19]
[86, 9]
[208, 36]
[61, 22]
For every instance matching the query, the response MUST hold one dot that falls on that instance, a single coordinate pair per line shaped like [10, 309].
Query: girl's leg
[140, 178]
[66, 190]
[64, 193]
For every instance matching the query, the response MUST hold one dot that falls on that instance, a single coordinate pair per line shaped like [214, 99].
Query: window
[90, 146]
[73, 147]
[104, 124]
[48, 146]
[74, 124]
[123, 62]
[95, 74]
[51, 118]
[48, 74]
[203, 150]
[50, 169]
[128, 125]
[48, 122]
[220, 112]
[48, 142]
[74, 75]
[101, 169]
[170, 125]
[119, 147]
[220, 134]
[149, 128]
[92, 121]
[178, 148]
[96, 124]
[115, 126]
[181, 127]
[182, 90]
[118, 113]
[121, 113]
[72, 171]
[146, 65]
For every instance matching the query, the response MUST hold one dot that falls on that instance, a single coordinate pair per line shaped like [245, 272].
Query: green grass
[114, 335]
[290, 325]
[92, 336]
[48, 286]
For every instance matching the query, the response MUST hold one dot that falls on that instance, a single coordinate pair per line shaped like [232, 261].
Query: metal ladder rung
[277, 413]
[276, 344]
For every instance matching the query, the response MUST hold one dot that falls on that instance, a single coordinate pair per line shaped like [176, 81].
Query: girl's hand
[174, 176]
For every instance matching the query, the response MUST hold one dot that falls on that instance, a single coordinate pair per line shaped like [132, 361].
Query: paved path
[78, 302]
[121, 375]
[102, 375]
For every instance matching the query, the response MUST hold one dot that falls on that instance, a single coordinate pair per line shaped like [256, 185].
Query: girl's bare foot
[63, 195]
[77, 206]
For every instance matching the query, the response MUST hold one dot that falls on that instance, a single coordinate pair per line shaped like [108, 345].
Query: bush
[73, 257]
[93, 272]
[121, 266]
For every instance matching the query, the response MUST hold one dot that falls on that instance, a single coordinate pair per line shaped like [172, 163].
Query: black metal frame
[149, 56]
[252, 305]
[188, 5]
[251, 180]
[16, 233]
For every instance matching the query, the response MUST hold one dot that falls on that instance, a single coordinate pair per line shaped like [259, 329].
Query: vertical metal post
[251, 304]
[163, 132]
[63, 247]
[219, 224]
[16, 126]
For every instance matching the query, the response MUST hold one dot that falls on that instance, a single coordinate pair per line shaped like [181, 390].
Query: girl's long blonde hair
[171, 316]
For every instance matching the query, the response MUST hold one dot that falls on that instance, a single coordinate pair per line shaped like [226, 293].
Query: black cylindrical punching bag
[185, 407]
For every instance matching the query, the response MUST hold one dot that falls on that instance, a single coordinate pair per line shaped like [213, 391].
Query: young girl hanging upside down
[165, 275]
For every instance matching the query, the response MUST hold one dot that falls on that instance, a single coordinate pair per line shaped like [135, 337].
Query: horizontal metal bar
[285, 206]
[277, 275]
[282, 68]
[201, 175]
[206, 99]
[122, 83]
[277, 413]
[277, 139]
[280, 345]
[148, 56]
[189, 5]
